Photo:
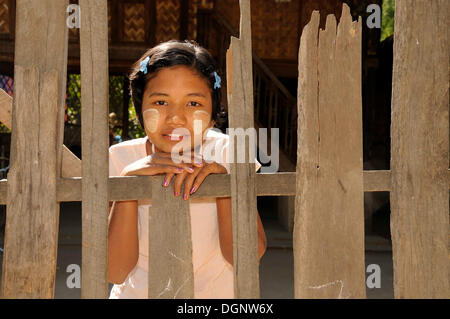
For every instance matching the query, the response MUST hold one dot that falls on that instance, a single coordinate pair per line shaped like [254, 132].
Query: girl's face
[174, 100]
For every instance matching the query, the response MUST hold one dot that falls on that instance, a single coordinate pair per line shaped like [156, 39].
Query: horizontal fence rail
[139, 187]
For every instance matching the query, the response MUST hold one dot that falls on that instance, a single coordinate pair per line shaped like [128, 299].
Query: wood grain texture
[242, 175]
[171, 273]
[329, 220]
[71, 164]
[139, 187]
[420, 150]
[29, 263]
[95, 143]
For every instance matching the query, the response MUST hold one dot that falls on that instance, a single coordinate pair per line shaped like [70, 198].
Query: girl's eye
[160, 103]
[193, 103]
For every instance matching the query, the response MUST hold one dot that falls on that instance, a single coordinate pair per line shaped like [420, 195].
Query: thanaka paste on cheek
[151, 119]
[201, 115]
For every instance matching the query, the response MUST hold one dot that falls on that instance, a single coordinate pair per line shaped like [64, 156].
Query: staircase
[274, 107]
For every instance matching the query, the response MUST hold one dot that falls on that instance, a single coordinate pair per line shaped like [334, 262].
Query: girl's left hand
[192, 181]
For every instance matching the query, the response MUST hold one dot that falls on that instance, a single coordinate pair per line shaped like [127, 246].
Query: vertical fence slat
[329, 225]
[243, 190]
[31, 238]
[420, 150]
[170, 268]
[95, 143]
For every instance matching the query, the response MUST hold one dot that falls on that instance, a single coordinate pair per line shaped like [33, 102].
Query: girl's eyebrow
[165, 94]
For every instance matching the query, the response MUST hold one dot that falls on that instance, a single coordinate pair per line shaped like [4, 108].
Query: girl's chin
[174, 146]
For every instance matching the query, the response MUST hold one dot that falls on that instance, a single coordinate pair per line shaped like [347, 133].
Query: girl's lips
[175, 138]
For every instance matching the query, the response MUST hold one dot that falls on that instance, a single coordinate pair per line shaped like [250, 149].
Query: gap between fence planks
[95, 143]
[29, 264]
[71, 164]
[420, 150]
[329, 219]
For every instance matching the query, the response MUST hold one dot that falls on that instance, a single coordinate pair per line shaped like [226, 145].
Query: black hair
[171, 53]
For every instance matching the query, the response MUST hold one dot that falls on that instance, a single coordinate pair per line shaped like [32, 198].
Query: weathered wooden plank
[329, 221]
[420, 150]
[139, 187]
[170, 268]
[95, 143]
[71, 164]
[29, 265]
[242, 175]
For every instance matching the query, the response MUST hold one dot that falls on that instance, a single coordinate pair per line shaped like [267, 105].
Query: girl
[174, 86]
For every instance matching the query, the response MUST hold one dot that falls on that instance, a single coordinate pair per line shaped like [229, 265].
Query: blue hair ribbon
[144, 64]
[217, 83]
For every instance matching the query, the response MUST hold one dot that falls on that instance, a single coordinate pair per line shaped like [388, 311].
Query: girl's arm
[123, 242]
[225, 230]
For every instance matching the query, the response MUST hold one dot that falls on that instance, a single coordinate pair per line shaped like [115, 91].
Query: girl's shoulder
[129, 144]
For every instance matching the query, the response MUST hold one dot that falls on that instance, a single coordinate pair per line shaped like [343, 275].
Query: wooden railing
[328, 184]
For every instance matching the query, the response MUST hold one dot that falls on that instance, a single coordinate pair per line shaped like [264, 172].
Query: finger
[178, 181]
[161, 169]
[168, 179]
[189, 181]
[199, 178]
[165, 160]
[195, 159]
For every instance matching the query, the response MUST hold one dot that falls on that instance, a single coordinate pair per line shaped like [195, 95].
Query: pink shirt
[213, 276]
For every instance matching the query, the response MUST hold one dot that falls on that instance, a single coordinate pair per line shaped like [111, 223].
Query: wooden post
[243, 189]
[95, 143]
[31, 238]
[170, 268]
[329, 218]
[420, 150]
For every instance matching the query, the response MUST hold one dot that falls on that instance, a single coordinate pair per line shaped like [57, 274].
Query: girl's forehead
[177, 76]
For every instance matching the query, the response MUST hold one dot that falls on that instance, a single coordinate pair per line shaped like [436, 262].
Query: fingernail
[192, 189]
[166, 183]
[190, 169]
[180, 169]
[184, 196]
[175, 193]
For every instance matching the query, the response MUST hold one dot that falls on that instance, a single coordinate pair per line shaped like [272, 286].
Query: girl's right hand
[155, 164]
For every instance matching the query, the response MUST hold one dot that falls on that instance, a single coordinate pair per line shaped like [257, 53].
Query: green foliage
[116, 91]
[134, 129]
[74, 99]
[4, 129]
[387, 25]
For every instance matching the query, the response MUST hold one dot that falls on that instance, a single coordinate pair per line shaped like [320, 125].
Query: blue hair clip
[217, 83]
[144, 65]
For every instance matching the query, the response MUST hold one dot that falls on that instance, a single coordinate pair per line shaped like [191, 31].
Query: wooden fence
[328, 184]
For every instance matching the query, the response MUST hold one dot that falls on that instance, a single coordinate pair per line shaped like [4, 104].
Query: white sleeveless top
[213, 276]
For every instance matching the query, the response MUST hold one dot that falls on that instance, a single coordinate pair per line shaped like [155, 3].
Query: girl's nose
[176, 117]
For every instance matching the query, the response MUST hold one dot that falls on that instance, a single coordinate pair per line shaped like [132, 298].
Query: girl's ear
[211, 123]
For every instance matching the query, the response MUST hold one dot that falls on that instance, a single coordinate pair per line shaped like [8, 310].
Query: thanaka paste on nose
[151, 119]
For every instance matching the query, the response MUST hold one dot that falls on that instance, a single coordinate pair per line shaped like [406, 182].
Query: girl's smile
[176, 105]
